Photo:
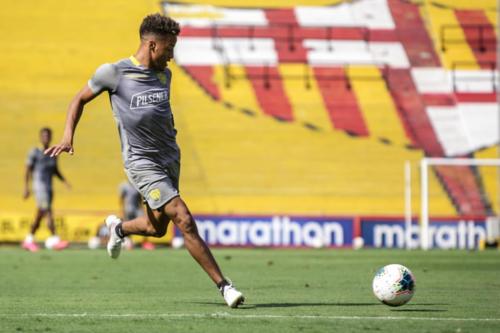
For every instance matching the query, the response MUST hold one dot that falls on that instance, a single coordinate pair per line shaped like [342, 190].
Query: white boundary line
[226, 315]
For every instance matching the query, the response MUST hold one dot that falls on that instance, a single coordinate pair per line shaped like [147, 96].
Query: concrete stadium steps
[268, 86]
[204, 76]
[412, 107]
[260, 164]
[340, 101]
[288, 50]
[237, 158]
[450, 54]
[462, 184]
[412, 33]
[490, 177]
[463, 187]
[482, 42]
[377, 106]
[238, 92]
[304, 96]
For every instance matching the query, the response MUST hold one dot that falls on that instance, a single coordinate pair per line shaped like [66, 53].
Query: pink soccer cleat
[30, 246]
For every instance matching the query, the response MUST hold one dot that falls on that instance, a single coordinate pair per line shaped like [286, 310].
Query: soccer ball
[94, 243]
[51, 242]
[177, 242]
[358, 243]
[394, 285]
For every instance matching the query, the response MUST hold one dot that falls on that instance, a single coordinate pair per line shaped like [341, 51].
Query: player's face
[163, 51]
[45, 138]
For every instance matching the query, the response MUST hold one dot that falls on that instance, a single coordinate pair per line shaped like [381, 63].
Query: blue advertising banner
[443, 233]
[276, 231]
[335, 232]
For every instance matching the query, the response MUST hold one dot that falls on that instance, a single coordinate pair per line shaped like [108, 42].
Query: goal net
[468, 187]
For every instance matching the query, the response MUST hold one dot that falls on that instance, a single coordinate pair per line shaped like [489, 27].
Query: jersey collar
[135, 61]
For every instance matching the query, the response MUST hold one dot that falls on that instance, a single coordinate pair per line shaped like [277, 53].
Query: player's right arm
[28, 173]
[74, 113]
[27, 178]
[105, 78]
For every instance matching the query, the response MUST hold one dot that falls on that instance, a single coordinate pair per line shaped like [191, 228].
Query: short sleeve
[106, 77]
[31, 159]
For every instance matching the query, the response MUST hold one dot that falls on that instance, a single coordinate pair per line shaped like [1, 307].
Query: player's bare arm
[62, 178]
[75, 111]
[27, 178]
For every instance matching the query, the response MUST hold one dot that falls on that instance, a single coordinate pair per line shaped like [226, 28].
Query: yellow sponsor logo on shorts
[155, 194]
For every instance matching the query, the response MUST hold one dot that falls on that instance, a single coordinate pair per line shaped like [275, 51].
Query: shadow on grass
[290, 305]
[332, 304]
[419, 310]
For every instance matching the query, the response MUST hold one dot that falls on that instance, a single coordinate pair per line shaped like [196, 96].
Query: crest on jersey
[155, 194]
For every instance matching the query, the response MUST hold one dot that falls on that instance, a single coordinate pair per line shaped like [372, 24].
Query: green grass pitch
[287, 291]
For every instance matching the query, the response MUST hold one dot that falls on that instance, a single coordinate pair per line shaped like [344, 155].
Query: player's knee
[156, 231]
[160, 232]
[186, 224]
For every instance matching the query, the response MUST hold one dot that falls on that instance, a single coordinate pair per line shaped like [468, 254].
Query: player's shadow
[335, 304]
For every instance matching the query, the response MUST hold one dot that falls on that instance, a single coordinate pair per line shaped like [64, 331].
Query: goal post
[425, 164]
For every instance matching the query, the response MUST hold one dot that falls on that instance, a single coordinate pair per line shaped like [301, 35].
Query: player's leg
[55, 240]
[155, 224]
[148, 225]
[29, 241]
[40, 214]
[178, 212]
[50, 222]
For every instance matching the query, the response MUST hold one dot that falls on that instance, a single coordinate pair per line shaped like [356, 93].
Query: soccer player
[131, 206]
[41, 168]
[139, 90]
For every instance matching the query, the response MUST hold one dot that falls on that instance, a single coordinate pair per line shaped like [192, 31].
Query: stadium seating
[377, 76]
[305, 110]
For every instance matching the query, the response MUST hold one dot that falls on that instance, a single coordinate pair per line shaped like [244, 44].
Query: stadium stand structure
[373, 69]
[291, 109]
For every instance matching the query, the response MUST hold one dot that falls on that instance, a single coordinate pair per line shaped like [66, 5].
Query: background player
[139, 89]
[41, 168]
[131, 207]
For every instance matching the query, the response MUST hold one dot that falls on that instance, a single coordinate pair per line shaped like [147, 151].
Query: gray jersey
[140, 99]
[44, 168]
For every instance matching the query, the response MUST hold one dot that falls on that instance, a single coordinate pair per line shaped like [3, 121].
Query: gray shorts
[43, 198]
[157, 184]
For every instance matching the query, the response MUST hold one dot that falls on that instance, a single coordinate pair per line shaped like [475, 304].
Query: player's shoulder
[35, 151]
[34, 155]
[108, 68]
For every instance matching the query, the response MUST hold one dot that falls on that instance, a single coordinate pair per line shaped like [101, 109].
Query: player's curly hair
[158, 24]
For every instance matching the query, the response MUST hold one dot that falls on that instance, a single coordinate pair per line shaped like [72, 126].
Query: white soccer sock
[30, 238]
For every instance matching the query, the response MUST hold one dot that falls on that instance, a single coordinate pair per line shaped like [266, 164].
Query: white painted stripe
[227, 315]
[432, 80]
[465, 127]
[342, 52]
[262, 51]
[372, 14]
[205, 16]
[244, 51]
